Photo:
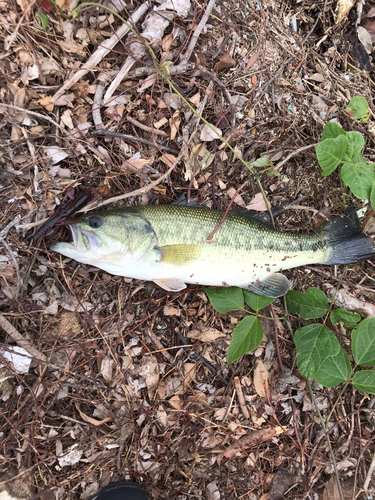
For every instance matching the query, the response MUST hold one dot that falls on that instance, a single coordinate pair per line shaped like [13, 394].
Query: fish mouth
[81, 240]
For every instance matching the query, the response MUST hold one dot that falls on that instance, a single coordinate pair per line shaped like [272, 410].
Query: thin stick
[241, 398]
[294, 153]
[184, 67]
[199, 29]
[34, 113]
[127, 66]
[220, 84]
[20, 340]
[137, 192]
[102, 51]
[109, 133]
[144, 127]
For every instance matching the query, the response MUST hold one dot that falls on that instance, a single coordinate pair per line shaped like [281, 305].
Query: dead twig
[102, 51]
[137, 192]
[241, 398]
[220, 84]
[199, 29]
[20, 340]
[144, 127]
[109, 133]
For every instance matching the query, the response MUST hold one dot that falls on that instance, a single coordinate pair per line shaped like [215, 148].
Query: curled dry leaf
[238, 200]
[225, 61]
[257, 203]
[206, 335]
[260, 379]
[207, 134]
[174, 123]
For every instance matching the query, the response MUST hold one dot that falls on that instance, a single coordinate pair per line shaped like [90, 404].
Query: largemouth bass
[168, 244]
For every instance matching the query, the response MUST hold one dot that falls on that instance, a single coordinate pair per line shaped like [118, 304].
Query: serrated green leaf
[314, 344]
[334, 370]
[365, 381]
[43, 20]
[225, 299]
[246, 337]
[356, 142]
[358, 108]
[332, 130]
[330, 153]
[349, 319]
[372, 197]
[359, 177]
[264, 161]
[363, 343]
[257, 302]
[310, 305]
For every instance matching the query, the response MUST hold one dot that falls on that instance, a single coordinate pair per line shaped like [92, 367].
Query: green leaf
[225, 299]
[363, 343]
[359, 177]
[365, 381]
[257, 302]
[349, 319]
[264, 161]
[372, 197]
[357, 109]
[330, 153]
[310, 305]
[334, 370]
[43, 19]
[356, 142]
[246, 337]
[332, 130]
[314, 344]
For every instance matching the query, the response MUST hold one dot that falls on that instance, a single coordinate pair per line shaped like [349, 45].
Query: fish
[171, 246]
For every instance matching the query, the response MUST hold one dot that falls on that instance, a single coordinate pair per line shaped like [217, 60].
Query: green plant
[339, 147]
[318, 352]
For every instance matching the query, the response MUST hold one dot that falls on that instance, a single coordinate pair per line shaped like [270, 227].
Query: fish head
[108, 238]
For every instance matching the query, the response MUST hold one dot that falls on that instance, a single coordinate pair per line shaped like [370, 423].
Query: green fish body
[170, 245]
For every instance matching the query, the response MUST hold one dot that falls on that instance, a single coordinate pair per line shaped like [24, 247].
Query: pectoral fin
[275, 285]
[180, 254]
[170, 284]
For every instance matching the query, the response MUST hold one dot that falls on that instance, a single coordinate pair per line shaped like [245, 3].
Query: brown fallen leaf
[252, 60]
[136, 163]
[225, 61]
[174, 123]
[206, 335]
[238, 200]
[91, 420]
[171, 311]
[257, 203]
[250, 440]
[168, 159]
[260, 379]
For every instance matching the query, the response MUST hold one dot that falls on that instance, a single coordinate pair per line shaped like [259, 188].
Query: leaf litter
[112, 391]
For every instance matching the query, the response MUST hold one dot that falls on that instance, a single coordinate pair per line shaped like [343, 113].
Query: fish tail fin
[347, 242]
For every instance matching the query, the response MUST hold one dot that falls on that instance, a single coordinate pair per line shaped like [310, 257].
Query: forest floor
[128, 382]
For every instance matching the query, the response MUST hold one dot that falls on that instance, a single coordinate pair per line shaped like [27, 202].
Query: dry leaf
[252, 60]
[161, 122]
[207, 134]
[66, 118]
[91, 420]
[167, 42]
[168, 159]
[260, 379]
[46, 103]
[257, 203]
[196, 99]
[136, 163]
[342, 9]
[171, 311]
[370, 27]
[174, 123]
[64, 4]
[225, 61]
[65, 100]
[254, 80]
[147, 83]
[365, 38]
[106, 369]
[238, 199]
[207, 335]
[150, 371]
[175, 402]
[72, 47]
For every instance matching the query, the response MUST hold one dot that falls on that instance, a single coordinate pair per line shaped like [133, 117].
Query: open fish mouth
[81, 240]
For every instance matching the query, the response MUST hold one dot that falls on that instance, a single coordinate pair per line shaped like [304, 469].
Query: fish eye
[96, 222]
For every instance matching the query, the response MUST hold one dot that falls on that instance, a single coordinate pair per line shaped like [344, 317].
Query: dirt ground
[129, 381]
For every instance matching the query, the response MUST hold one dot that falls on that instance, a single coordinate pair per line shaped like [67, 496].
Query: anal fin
[170, 284]
[274, 285]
